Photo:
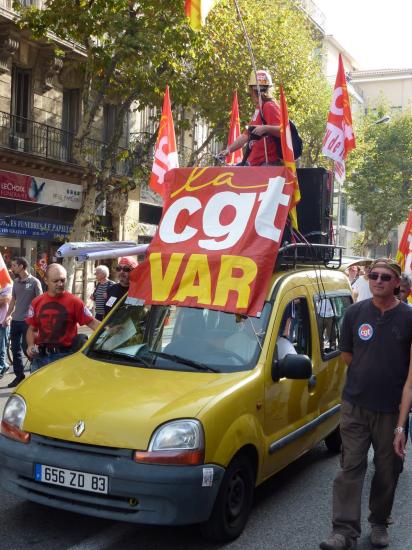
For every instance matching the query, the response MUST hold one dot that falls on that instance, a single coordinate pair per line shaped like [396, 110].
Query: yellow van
[172, 415]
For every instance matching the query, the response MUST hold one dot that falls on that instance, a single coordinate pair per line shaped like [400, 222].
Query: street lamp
[382, 120]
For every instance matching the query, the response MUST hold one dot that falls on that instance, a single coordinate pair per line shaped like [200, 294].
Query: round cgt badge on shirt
[365, 332]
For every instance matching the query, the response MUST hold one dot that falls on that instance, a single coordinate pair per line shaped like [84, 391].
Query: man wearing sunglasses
[53, 318]
[376, 338]
[118, 290]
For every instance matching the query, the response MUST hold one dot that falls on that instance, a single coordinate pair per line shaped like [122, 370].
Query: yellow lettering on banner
[196, 281]
[226, 282]
[162, 284]
[224, 178]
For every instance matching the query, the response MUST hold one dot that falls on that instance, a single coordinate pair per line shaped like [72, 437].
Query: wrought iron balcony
[42, 140]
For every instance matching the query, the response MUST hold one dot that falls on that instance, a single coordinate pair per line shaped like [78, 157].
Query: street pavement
[291, 512]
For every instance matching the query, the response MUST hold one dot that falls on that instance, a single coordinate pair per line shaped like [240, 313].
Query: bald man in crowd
[53, 318]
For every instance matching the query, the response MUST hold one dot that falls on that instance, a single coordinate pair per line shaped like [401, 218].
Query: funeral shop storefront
[36, 216]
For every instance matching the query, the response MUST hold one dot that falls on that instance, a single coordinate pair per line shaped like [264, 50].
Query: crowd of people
[43, 326]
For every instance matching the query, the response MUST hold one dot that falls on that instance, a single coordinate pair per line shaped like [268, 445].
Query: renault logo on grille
[79, 428]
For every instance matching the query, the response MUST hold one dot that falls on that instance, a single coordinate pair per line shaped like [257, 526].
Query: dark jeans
[4, 335]
[361, 428]
[18, 331]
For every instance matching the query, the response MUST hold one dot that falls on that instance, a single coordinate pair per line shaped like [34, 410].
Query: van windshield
[180, 338]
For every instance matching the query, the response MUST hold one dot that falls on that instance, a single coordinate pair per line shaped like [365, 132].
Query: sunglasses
[382, 276]
[125, 268]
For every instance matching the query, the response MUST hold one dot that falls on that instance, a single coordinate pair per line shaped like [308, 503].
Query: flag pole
[252, 57]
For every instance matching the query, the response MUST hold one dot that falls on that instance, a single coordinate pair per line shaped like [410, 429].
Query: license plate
[71, 478]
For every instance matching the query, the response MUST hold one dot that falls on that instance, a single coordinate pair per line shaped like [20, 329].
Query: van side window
[329, 313]
[294, 333]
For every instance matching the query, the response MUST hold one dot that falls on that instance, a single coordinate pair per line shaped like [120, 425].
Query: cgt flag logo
[339, 138]
[365, 332]
[165, 157]
[218, 239]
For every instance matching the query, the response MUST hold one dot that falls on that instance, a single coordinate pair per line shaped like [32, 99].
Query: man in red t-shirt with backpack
[53, 318]
[261, 133]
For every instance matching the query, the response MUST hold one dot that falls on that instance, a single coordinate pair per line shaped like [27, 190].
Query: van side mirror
[292, 366]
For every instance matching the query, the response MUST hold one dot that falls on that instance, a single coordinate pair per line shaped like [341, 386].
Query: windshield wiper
[184, 361]
[115, 354]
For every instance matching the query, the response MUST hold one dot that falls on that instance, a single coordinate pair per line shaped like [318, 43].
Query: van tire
[233, 502]
[334, 441]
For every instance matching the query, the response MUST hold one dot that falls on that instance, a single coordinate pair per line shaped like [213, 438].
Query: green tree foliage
[379, 183]
[129, 51]
[285, 42]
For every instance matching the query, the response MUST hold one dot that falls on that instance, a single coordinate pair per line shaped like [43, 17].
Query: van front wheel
[233, 502]
[334, 441]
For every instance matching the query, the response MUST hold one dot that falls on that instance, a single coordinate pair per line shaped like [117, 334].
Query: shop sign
[218, 239]
[21, 227]
[22, 187]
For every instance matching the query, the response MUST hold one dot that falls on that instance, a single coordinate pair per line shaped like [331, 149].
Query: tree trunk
[118, 204]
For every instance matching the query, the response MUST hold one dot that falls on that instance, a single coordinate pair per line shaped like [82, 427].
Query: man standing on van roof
[376, 343]
[53, 318]
[266, 129]
[118, 290]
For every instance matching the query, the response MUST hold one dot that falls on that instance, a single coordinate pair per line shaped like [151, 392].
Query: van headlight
[177, 442]
[13, 417]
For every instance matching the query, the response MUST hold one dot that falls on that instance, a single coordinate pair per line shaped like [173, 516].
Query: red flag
[289, 156]
[5, 278]
[165, 157]
[339, 138]
[234, 133]
[404, 254]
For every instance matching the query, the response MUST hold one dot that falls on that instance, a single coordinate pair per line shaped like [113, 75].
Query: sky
[376, 33]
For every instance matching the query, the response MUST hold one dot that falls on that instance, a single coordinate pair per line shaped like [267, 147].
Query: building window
[110, 113]
[21, 100]
[110, 122]
[70, 121]
[71, 110]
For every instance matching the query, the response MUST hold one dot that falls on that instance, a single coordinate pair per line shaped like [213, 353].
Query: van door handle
[312, 382]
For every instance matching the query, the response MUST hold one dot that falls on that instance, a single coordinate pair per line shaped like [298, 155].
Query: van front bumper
[138, 493]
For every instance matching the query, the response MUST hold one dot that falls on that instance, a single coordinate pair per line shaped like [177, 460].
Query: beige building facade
[393, 86]
[41, 184]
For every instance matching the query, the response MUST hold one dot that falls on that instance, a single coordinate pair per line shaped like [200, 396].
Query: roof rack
[291, 255]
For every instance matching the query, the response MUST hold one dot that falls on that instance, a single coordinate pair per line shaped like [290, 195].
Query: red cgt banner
[218, 238]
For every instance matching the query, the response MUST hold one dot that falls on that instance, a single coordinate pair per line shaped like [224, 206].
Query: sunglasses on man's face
[125, 268]
[382, 276]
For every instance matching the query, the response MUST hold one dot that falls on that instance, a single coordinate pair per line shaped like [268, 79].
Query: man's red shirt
[56, 318]
[271, 114]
